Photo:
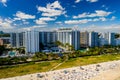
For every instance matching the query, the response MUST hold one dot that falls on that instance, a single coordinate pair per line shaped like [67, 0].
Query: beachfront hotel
[93, 39]
[69, 36]
[32, 39]
[17, 39]
[47, 37]
[84, 39]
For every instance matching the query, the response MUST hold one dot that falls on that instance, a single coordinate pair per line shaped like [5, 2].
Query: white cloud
[20, 16]
[40, 22]
[106, 28]
[31, 28]
[25, 22]
[52, 10]
[47, 19]
[81, 15]
[92, 1]
[98, 13]
[103, 19]
[113, 18]
[102, 13]
[5, 23]
[77, 1]
[43, 20]
[77, 21]
[4, 2]
[83, 21]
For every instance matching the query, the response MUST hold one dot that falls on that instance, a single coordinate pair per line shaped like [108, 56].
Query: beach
[112, 74]
[100, 71]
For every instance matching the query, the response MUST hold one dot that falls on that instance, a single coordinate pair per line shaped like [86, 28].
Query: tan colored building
[84, 39]
[1, 42]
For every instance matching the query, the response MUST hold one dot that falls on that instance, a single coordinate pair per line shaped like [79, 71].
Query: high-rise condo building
[76, 39]
[93, 39]
[67, 35]
[17, 39]
[110, 37]
[117, 41]
[32, 41]
[84, 39]
[46, 37]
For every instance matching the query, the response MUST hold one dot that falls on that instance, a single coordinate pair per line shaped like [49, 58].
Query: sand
[101, 71]
[113, 74]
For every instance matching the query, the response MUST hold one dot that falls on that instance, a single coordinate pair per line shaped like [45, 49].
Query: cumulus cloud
[92, 1]
[4, 2]
[113, 18]
[77, 21]
[98, 13]
[106, 28]
[40, 22]
[47, 19]
[52, 10]
[83, 21]
[77, 1]
[31, 28]
[5, 23]
[21, 15]
[43, 20]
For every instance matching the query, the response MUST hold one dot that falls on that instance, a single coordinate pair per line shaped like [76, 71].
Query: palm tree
[58, 43]
[2, 49]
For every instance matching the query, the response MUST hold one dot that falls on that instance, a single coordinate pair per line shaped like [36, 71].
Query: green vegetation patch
[32, 67]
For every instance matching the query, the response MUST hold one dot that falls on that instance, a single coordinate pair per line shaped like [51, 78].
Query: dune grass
[89, 60]
[29, 68]
[18, 70]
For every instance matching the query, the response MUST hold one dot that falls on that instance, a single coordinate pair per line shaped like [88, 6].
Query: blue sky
[96, 15]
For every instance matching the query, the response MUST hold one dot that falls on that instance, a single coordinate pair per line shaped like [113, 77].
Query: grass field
[32, 67]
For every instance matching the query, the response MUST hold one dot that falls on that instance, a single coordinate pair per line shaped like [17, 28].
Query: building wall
[110, 37]
[103, 41]
[1, 42]
[65, 36]
[117, 41]
[93, 39]
[32, 41]
[69, 36]
[17, 39]
[84, 39]
[76, 39]
[47, 37]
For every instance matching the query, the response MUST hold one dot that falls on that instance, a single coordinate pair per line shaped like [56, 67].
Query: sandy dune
[100, 71]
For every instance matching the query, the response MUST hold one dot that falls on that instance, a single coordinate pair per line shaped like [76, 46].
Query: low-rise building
[1, 42]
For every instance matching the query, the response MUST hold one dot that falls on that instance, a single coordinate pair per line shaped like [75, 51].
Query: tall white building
[117, 41]
[32, 41]
[103, 41]
[64, 36]
[17, 39]
[46, 37]
[67, 35]
[76, 39]
[93, 39]
[84, 39]
[110, 37]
